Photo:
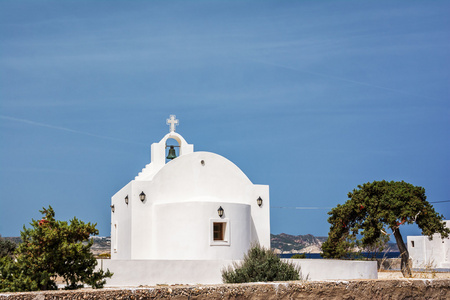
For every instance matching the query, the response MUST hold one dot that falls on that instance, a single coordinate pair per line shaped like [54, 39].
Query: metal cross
[172, 122]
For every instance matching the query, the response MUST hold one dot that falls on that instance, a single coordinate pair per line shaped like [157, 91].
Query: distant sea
[364, 254]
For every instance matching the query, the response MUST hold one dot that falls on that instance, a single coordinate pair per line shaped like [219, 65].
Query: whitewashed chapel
[188, 215]
[188, 206]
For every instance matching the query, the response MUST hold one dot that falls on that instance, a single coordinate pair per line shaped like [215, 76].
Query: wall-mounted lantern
[142, 196]
[113, 208]
[126, 199]
[259, 201]
[220, 211]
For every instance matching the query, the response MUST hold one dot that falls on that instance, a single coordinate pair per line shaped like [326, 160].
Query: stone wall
[355, 289]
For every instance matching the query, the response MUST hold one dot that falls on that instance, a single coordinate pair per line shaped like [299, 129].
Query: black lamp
[142, 196]
[220, 211]
[126, 199]
[259, 201]
[113, 208]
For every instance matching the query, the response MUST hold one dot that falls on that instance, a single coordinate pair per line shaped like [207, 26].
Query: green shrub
[52, 248]
[260, 265]
[298, 255]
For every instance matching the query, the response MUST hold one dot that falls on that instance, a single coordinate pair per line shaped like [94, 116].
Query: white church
[188, 215]
[188, 206]
[194, 205]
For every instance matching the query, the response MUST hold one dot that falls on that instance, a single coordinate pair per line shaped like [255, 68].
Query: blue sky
[309, 97]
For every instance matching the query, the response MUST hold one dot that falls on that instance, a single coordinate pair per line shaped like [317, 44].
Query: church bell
[172, 153]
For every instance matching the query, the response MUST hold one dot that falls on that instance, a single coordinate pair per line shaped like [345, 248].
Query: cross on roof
[172, 122]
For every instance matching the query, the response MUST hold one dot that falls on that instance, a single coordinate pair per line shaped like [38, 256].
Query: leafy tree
[371, 210]
[52, 248]
[6, 247]
[298, 256]
[260, 265]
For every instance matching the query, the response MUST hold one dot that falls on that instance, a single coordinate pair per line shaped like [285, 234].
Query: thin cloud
[342, 79]
[33, 123]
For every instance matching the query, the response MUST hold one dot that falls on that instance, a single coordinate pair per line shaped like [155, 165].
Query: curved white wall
[185, 231]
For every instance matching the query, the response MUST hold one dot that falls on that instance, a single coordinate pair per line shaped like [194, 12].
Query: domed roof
[202, 176]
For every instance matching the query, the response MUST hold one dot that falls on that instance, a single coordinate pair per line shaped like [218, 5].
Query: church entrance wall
[186, 230]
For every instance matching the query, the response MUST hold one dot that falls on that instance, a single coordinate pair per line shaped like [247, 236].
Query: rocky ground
[354, 289]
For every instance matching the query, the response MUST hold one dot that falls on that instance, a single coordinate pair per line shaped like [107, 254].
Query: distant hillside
[17, 240]
[280, 243]
[286, 243]
[101, 244]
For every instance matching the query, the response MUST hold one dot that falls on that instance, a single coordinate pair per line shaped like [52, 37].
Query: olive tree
[373, 210]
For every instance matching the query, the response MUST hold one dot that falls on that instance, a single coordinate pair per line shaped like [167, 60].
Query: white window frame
[226, 236]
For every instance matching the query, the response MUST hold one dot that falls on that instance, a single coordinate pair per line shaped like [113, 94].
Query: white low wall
[152, 272]
[334, 269]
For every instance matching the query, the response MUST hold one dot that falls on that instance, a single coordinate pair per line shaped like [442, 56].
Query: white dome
[200, 176]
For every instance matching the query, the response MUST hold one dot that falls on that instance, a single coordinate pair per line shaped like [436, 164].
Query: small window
[412, 244]
[219, 231]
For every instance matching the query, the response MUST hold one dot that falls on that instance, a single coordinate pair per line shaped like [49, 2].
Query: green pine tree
[52, 248]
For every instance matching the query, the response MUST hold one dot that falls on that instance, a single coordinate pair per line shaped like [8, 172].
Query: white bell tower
[158, 151]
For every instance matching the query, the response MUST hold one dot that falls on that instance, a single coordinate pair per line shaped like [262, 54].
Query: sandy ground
[418, 275]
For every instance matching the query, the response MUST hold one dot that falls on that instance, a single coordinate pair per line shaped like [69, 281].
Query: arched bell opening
[172, 149]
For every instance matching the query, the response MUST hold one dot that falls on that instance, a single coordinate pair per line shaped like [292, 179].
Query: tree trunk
[404, 254]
